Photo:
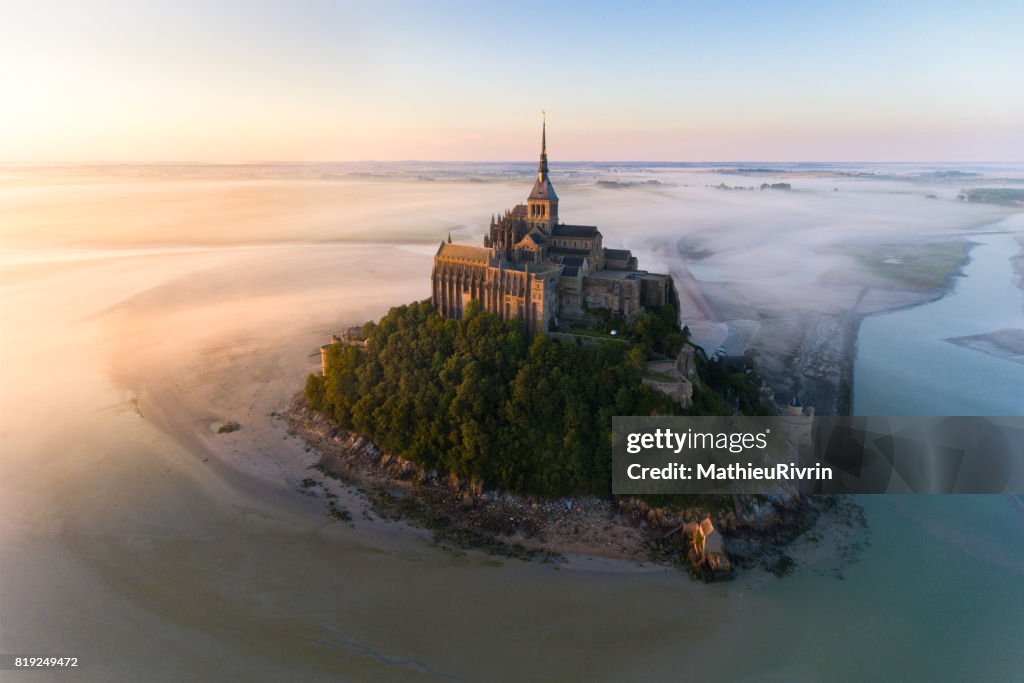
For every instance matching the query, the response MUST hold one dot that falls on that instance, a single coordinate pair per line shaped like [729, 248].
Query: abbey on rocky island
[546, 273]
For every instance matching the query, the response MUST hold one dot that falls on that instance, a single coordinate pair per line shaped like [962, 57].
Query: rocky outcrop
[681, 391]
[674, 378]
[711, 536]
[707, 549]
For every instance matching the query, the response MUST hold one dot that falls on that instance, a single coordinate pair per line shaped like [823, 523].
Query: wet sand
[152, 548]
[151, 539]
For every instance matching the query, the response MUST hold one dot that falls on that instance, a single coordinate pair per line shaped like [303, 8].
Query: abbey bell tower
[534, 268]
[542, 204]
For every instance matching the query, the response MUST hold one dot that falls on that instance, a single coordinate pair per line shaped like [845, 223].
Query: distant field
[916, 266]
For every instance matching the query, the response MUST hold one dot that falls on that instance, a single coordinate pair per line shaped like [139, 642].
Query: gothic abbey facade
[546, 273]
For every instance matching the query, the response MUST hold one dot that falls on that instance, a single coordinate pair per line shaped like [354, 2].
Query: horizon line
[296, 162]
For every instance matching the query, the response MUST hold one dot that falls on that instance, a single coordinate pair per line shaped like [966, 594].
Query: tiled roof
[568, 251]
[535, 268]
[543, 190]
[464, 252]
[574, 231]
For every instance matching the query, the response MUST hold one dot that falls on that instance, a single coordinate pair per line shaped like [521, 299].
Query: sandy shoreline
[779, 537]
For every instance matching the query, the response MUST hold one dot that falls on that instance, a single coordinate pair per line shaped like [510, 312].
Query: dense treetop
[474, 397]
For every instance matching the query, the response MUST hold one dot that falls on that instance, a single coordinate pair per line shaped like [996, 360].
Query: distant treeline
[993, 195]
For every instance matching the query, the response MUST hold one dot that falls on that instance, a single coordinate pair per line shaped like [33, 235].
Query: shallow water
[905, 366]
[126, 543]
[966, 553]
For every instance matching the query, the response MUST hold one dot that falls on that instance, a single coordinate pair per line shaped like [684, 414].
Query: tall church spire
[542, 169]
[542, 204]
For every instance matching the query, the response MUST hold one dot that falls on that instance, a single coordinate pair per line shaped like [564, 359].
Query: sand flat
[1005, 343]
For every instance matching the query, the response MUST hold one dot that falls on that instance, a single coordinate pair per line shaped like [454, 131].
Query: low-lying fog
[780, 271]
[142, 303]
[783, 240]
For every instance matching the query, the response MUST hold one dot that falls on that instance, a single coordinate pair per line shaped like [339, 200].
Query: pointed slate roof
[542, 188]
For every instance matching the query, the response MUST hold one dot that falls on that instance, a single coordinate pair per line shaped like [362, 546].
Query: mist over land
[786, 274]
[144, 303]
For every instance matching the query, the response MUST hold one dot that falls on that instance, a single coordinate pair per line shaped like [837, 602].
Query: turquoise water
[905, 366]
[939, 595]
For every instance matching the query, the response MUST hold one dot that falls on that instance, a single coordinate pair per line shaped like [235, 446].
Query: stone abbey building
[544, 272]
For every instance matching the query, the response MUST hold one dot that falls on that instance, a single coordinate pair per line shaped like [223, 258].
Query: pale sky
[256, 80]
